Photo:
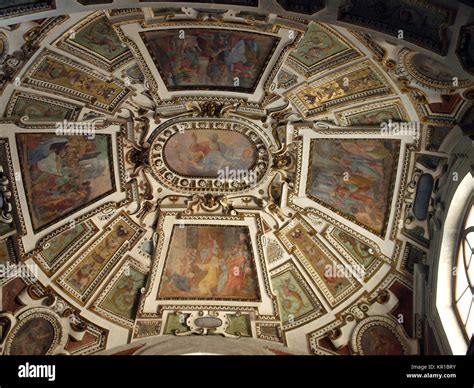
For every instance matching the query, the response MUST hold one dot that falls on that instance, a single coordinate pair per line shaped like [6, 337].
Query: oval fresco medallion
[376, 336]
[379, 340]
[203, 152]
[432, 73]
[209, 155]
[36, 335]
[208, 322]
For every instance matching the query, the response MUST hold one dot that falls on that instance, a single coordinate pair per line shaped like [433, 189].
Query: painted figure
[352, 177]
[210, 59]
[207, 152]
[63, 174]
[209, 262]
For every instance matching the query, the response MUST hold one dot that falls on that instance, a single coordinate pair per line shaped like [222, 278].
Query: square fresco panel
[64, 243]
[95, 41]
[82, 277]
[375, 117]
[67, 76]
[210, 59]
[361, 80]
[58, 243]
[316, 45]
[40, 109]
[64, 174]
[293, 300]
[347, 85]
[119, 299]
[297, 303]
[436, 136]
[326, 270]
[321, 48]
[56, 73]
[354, 178]
[210, 262]
[355, 247]
[100, 38]
[364, 258]
[123, 299]
[373, 113]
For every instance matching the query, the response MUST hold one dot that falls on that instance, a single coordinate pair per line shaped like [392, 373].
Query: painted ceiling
[221, 170]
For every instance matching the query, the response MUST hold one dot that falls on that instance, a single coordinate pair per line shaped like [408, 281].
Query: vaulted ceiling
[260, 171]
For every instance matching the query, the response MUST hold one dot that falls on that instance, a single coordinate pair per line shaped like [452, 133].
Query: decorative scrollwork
[169, 176]
[6, 207]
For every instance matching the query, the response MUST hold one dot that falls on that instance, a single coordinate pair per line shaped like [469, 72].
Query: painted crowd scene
[210, 59]
[354, 177]
[209, 262]
[63, 174]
